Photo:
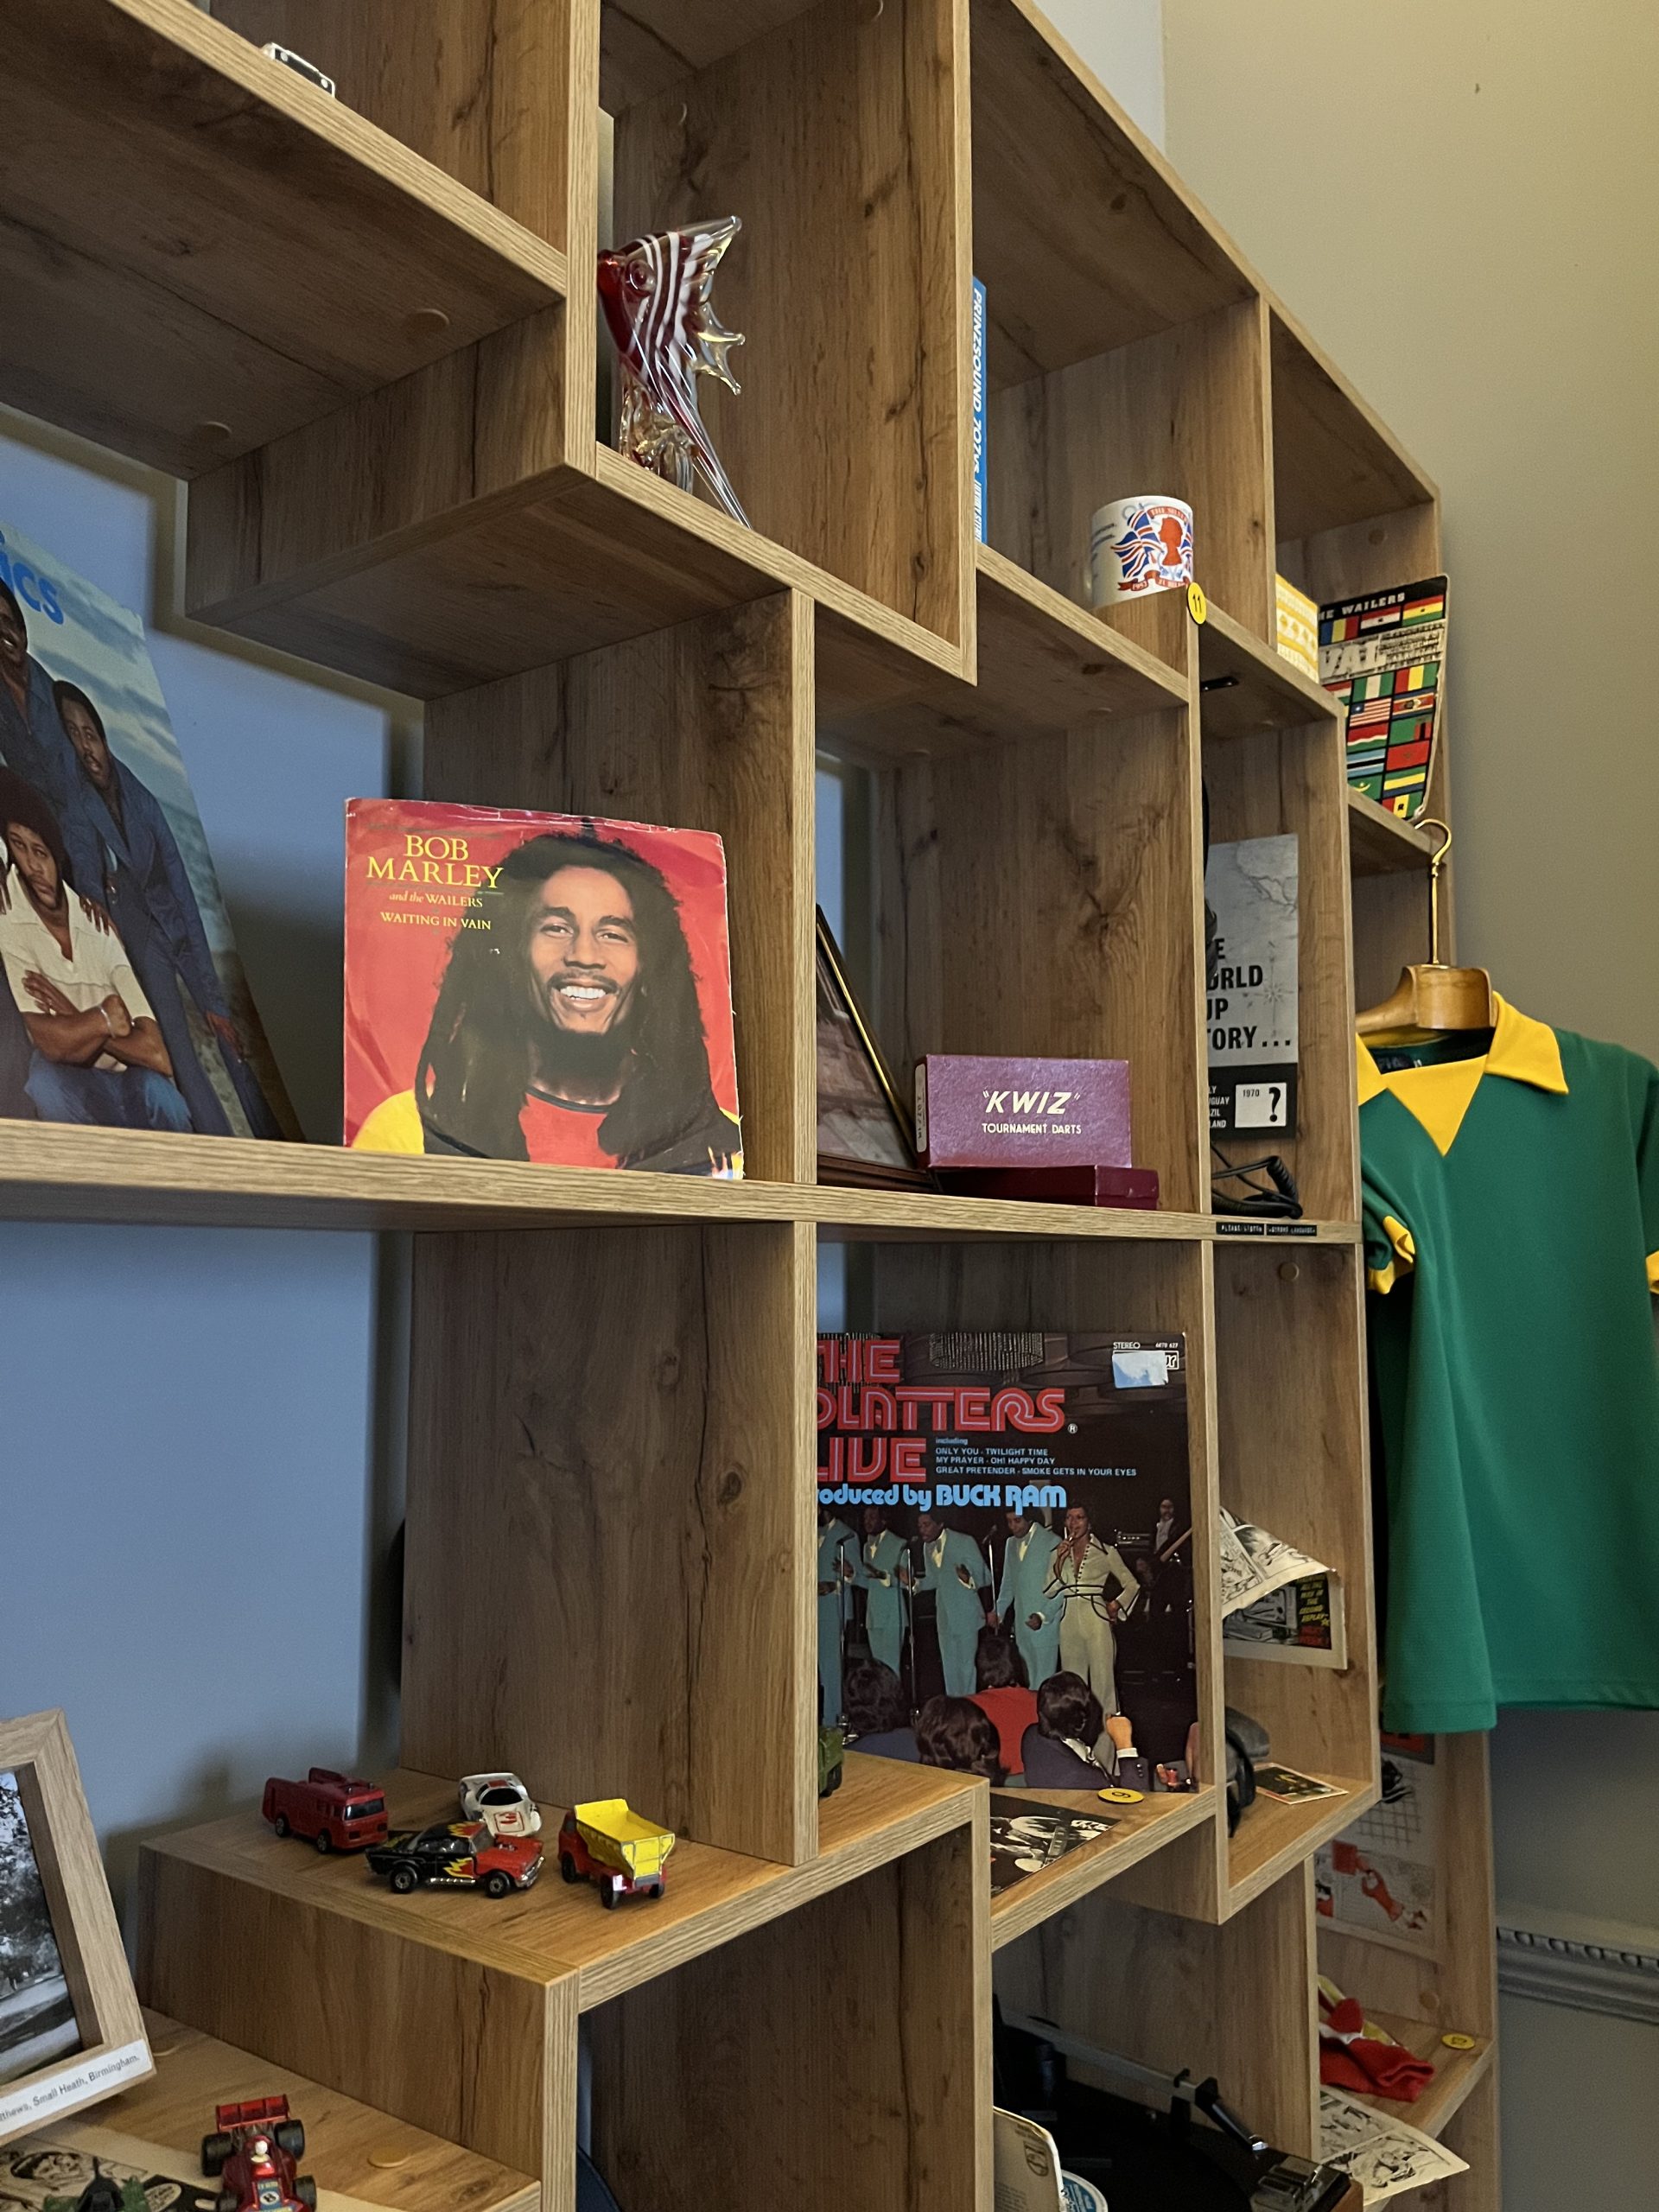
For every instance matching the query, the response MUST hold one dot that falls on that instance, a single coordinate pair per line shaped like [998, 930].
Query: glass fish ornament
[655, 295]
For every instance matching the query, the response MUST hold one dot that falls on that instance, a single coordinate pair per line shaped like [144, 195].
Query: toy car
[457, 1855]
[252, 2152]
[605, 1843]
[326, 1809]
[501, 1802]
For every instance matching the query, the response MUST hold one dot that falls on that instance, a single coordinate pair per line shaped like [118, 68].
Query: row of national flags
[1384, 655]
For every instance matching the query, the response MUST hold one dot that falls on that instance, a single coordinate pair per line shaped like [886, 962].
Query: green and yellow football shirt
[1511, 1222]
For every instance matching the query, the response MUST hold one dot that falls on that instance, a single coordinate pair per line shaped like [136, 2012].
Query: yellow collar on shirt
[1524, 1050]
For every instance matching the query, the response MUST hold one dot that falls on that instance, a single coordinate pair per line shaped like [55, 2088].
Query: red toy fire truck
[328, 1809]
[252, 2152]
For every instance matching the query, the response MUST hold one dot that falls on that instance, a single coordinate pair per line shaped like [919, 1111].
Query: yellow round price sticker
[1121, 1796]
[1458, 2042]
[1197, 605]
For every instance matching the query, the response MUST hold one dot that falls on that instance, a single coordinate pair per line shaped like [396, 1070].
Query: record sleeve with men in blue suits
[1004, 1554]
[122, 1003]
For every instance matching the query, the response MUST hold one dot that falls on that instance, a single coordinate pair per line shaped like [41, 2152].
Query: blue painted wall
[188, 1512]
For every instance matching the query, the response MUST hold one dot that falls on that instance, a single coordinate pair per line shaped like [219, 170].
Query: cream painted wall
[1462, 203]
[1122, 42]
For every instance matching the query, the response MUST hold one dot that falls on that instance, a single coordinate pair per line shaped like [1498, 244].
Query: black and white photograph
[37, 2015]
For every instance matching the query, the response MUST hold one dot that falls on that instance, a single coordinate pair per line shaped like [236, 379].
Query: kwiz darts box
[1017, 1113]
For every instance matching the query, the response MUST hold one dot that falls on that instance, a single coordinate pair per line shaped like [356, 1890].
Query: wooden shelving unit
[366, 331]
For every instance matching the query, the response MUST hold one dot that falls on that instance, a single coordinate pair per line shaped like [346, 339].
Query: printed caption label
[1260, 1106]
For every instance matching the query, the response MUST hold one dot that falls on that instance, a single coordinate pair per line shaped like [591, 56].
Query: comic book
[553, 987]
[1036, 1485]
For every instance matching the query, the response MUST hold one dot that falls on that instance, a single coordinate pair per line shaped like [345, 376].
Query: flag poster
[1383, 656]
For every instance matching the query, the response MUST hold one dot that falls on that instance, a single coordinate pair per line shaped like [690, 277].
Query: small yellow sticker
[1121, 1796]
[1197, 605]
[1458, 2042]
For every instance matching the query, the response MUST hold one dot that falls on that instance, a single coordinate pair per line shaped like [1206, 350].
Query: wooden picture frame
[111, 2048]
[856, 1089]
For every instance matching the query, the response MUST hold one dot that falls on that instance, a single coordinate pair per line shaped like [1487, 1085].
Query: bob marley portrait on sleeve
[538, 987]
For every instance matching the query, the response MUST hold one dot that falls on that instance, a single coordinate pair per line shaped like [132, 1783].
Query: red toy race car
[458, 1855]
[328, 1809]
[253, 2153]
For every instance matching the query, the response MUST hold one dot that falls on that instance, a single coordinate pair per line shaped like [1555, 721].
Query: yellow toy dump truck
[606, 1843]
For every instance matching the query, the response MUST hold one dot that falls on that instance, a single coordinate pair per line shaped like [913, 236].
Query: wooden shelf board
[883, 1810]
[192, 236]
[1380, 843]
[350, 2148]
[1084, 237]
[1046, 665]
[558, 564]
[1261, 688]
[1455, 2072]
[1335, 461]
[1273, 1838]
[1142, 1829]
[51, 1172]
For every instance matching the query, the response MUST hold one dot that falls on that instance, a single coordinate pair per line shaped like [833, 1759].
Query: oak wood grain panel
[1334, 461]
[1247, 684]
[1043, 898]
[1234, 2001]
[1381, 843]
[647, 45]
[1294, 1452]
[1182, 412]
[609, 1520]
[707, 726]
[1044, 665]
[1473, 2132]
[480, 88]
[351, 2148]
[1084, 237]
[883, 1810]
[866, 2016]
[839, 140]
[1291, 781]
[313, 1989]
[1392, 546]
[200, 252]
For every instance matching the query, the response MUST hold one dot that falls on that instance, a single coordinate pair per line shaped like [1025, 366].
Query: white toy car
[502, 1802]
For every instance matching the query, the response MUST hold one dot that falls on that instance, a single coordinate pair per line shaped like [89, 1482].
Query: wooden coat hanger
[1432, 1000]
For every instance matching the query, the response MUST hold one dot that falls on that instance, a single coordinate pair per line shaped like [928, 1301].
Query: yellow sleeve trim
[1652, 1272]
[1402, 1261]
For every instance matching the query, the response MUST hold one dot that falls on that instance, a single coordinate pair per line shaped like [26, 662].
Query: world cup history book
[550, 988]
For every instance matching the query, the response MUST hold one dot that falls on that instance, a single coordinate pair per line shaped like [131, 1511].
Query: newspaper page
[1381, 2153]
[1255, 1562]
[1378, 1879]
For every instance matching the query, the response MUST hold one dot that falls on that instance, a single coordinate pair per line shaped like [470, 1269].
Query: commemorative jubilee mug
[1139, 546]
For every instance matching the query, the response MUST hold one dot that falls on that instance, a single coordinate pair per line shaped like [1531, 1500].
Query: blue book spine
[981, 472]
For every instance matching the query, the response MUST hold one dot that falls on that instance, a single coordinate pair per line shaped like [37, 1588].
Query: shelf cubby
[1042, 898]
[265, 1945]
[609, 1527]
[351, 2150]
[257, 257]
[1126, 340]
[1234, 2002]
[1272, 767]
[835, 136]
[1292, 1429]
[842, 2058]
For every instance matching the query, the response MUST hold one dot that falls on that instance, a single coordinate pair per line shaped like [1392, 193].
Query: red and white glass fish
[655, 295]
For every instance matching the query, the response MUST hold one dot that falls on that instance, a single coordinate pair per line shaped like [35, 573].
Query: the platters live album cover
[1004, 1553]
[543, 987]
[122, 1000]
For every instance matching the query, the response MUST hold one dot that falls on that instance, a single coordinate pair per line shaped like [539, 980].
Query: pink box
[1005, 1113]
